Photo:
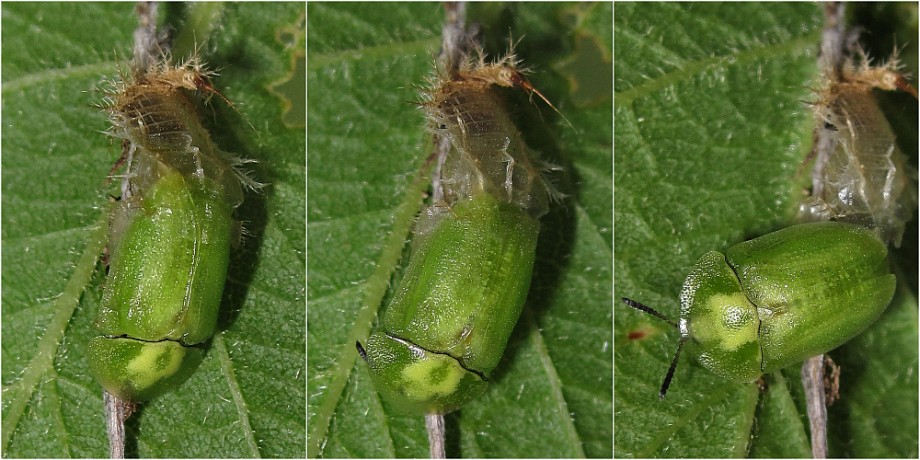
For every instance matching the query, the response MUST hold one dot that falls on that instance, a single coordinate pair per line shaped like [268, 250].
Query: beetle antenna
[649, 310]
[670, 374]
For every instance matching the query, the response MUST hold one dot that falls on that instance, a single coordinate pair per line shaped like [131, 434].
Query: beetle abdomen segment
[156, 121]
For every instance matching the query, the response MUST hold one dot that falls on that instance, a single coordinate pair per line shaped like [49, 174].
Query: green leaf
[712, 127]
[247, 399]
[551, 394]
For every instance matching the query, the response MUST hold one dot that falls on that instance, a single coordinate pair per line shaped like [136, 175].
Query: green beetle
[466, 281]
[170, 236]
[775, 300]
[451, 316]
[165, 280]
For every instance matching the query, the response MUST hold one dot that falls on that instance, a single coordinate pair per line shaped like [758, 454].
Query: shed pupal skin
[488, 152]
[860, 173]
[157, 113]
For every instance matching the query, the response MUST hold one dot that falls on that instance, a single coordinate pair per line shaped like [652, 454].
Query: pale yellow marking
[143, 368]
[419, 385]
[732, 339]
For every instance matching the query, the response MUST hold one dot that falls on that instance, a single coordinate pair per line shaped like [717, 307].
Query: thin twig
[435, 425]
[453, 38]
[146, 46]
[813, 381]
[833, 44]
[116, 411]
[833, 48]
[833, 40]
[146, 49]
[454, 47]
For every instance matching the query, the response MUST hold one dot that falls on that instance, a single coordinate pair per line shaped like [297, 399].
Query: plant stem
[434, 423]
[813, 381]
[116, 412]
